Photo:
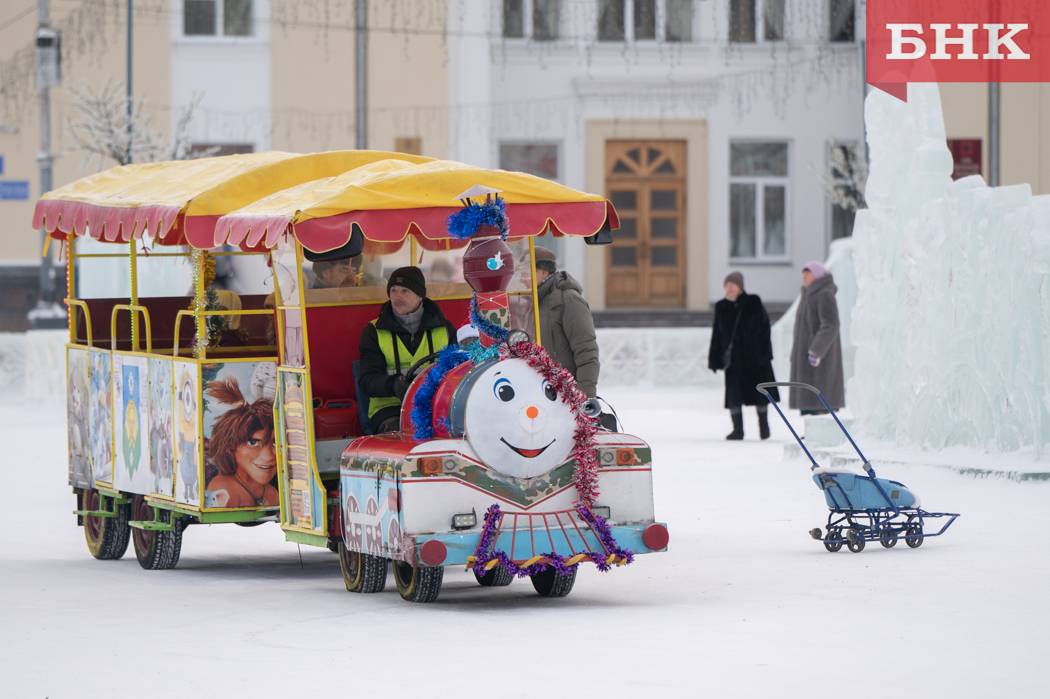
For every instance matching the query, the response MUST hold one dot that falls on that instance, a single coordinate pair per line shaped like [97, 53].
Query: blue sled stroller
[863, 508]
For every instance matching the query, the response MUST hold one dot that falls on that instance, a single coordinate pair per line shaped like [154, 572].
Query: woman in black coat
[741, 323]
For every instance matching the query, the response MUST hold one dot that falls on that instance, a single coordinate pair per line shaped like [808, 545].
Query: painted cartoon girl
[242, 447]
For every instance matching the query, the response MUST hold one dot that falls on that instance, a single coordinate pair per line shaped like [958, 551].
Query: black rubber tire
[888, 540]
[833, 541]
[497, 577]
[916, 531]
[156, 550]
[855, 545]
[362, 572]
[333, 544]
[418, 584]
[549, 584]
[107, 537]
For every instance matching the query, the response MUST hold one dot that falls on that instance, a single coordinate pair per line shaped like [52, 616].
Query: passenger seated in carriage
[409, 327]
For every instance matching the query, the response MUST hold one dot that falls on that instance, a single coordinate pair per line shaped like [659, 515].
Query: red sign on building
[966, 154]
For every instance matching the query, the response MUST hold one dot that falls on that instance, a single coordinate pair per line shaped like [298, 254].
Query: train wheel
[107, 537]
[156, 550]
[549, 584]
[888, 539]
[418, 584]
[362, 572]
[854, 541]
[497, 577]
[833, 541]
[915, 531]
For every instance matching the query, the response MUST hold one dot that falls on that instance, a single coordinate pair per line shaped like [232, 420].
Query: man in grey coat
[566, 324]
[816, 356]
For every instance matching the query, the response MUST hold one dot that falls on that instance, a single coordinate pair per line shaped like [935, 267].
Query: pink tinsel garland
[585, 452]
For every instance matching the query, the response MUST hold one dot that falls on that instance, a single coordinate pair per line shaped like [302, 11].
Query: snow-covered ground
[743, 604]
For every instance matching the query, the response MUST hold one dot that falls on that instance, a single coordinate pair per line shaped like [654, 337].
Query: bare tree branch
[845, 180]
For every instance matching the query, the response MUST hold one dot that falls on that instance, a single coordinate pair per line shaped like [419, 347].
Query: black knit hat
[409, 277]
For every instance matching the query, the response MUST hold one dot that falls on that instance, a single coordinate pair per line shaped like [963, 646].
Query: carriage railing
[865, 464]
[553, 528]
[197, 314]
[74, 304]
[133, 309]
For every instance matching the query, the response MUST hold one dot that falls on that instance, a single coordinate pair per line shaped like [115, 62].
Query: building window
[610, 20]
[217, 18]
[544, 20]
[410, 145]
[742, 21]
[645, 20]
[773, 20]
[841, 15]
[758, 187]
[678, 20]
[513, 19]
[539, 159]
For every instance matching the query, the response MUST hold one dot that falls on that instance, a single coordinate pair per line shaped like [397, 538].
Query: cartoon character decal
[186, 435]
[515, 421]
[241, 447]
[161, 451]
[132, 433]
[78, 419]
[101, 417]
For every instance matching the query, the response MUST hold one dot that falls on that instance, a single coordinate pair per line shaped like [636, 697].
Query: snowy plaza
[743, 603]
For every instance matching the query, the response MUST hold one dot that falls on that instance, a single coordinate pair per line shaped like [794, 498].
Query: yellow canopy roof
[388, 198]
[127, 201]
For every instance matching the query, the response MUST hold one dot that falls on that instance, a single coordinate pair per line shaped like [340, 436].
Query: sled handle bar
[795, 384]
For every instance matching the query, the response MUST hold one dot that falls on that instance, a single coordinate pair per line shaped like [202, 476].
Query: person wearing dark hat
[566, 324]
[331, 274]
[742, 348]
[409, 327]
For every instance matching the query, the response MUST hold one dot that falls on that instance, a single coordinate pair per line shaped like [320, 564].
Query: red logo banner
[956, 41]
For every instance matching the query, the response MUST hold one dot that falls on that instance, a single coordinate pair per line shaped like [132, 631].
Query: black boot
[738, 426]
[763, 423]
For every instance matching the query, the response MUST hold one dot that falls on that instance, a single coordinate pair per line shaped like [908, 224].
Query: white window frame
[526, 24]
[760, 183]
[258, 8]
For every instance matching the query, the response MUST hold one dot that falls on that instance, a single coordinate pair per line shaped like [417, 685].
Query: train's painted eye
[503, 390]
[549, 391]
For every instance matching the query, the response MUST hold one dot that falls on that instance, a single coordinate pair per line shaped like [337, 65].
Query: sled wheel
[549, 584]
[155, 550]
[915, 531]
[418, 584]
[362, 572]
[833, 541]
[856, 542]
[888, 539]
[496, 577]
[107, 537]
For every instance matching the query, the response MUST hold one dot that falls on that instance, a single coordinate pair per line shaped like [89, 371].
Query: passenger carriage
[168, 424]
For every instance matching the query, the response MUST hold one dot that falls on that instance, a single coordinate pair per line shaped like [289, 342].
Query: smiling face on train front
[515, 421]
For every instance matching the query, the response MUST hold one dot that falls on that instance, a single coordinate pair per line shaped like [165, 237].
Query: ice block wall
[952, 321]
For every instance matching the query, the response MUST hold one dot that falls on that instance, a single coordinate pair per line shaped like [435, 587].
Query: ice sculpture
[952, 320]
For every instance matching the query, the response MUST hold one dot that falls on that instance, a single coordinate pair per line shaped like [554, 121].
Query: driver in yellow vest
[409, 327]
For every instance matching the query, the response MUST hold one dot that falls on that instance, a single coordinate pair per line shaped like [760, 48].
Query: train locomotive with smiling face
[498, 466]
[494, 489]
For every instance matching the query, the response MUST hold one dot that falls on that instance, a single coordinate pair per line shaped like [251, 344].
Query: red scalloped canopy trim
[108, 224]
[429, 225]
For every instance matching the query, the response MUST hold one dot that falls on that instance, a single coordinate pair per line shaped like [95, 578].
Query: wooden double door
[645, 265]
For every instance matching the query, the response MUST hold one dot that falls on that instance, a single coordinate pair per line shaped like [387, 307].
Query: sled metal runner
[870, 513]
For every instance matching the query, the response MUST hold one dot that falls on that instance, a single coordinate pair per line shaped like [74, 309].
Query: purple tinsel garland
[484, 553]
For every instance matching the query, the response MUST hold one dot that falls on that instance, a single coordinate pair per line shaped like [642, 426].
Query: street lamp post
[47, 313]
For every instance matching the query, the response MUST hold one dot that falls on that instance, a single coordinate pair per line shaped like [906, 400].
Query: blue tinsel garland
[449, 357]
[484, 325]
[466, 222]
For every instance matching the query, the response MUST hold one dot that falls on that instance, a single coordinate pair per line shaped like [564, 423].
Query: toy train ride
[251, 412]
